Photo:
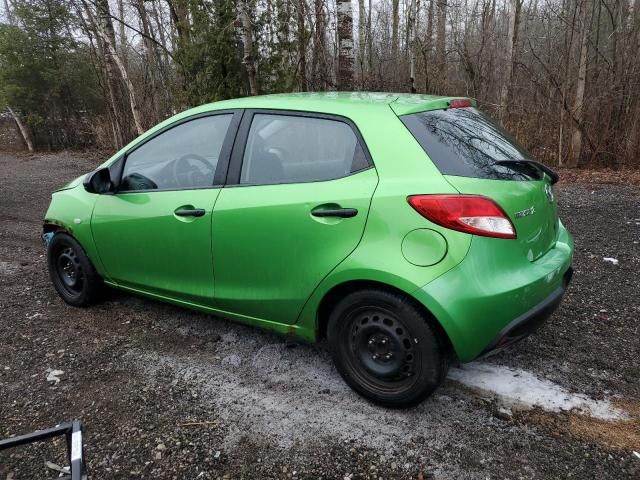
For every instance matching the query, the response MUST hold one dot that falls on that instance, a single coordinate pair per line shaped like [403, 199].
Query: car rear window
[467, 143]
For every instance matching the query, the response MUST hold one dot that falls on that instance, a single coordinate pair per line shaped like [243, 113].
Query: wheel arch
[333, 295]
[82, 235]
[70, 211]
[51, 226]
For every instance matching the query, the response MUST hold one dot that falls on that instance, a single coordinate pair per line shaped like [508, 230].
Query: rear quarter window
[467, 143]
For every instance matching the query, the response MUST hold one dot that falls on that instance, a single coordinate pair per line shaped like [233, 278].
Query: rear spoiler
[553, 176]
[409, 104]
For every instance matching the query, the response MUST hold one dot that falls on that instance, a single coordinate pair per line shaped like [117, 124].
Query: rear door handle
[335, 212]
[190, 212]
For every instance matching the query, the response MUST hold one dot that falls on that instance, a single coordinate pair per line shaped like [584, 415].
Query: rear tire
[385, 348]
[71, 272]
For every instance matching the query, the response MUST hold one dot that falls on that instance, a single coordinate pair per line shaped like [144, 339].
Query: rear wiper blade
[552, 174]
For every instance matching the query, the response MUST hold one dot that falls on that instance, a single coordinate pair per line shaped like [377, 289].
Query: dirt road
[166, 393]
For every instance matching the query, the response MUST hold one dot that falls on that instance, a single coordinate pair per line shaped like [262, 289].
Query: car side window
[297, 149]
[185, 156]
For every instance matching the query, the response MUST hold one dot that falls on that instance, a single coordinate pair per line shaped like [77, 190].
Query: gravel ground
[171, 394]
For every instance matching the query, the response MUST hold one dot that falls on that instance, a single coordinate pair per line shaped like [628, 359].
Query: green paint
[424, 247]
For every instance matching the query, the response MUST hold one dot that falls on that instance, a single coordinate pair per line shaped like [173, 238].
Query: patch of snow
[610, 260]
[275, 393]
[523, 389]
[233, 360]
[7, 268]
[53, 376]
[256, 384]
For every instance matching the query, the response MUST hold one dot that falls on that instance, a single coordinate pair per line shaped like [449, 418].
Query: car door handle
[335, 212]
[190, 212]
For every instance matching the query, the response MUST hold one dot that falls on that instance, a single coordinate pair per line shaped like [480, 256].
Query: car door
[295, 205]
[154, 233]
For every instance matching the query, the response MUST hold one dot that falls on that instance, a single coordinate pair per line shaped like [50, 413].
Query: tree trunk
[412, 32]
[135, 109]
[104, 24]
[568, 40]
[151, 55]
[247, 44]
[578, 113]
[89, 30]
[107, 34]
[362, 45]
[122, 34]
[394, 29]
[160, 29]
[428, 47]
[345, 45]
[302, 45]
[7, 8]
[512, 40]
[441, 46]
[179, 11]
[369, 39]
[634, 135]
[24, 131]
[318, 64]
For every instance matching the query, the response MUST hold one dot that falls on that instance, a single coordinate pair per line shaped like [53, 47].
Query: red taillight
[460, 103]
[466, 213]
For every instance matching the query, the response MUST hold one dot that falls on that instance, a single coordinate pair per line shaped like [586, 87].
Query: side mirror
[98, 181]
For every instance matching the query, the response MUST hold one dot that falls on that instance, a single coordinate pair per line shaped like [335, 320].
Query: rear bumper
[495, 297]
[529, 322]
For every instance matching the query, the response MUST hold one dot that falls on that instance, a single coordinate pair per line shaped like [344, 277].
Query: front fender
[71, 210]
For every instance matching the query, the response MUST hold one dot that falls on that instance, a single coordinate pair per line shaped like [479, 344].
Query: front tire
[385, 348]
[71, 272]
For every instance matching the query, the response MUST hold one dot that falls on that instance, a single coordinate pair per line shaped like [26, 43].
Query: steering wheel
[189, 169]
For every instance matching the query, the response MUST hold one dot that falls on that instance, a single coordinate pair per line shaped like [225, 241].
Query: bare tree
[151, 56]
[179, 12]
[247, 44]
[369, 38]
[302, 44]
[104, 28]
[428, 46]
[345, 45]
[8, 12]
[395, 20]
[24, 130]
[412, 29]
[441, 45]
[318, 61]
[133, 103]
[578, 110]
[362, 34]
[122, 31]
[573, 62]
[103, 23]
[510, 60]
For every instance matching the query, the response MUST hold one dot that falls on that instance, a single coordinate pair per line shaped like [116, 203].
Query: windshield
[467, 143]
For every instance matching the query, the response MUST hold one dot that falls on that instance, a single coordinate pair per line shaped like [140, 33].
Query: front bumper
[495, 296]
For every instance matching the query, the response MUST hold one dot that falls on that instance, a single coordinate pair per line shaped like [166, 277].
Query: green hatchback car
[408, 230]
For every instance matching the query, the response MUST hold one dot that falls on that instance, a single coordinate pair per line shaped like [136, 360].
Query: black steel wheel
[71, 271]
[385, 348]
